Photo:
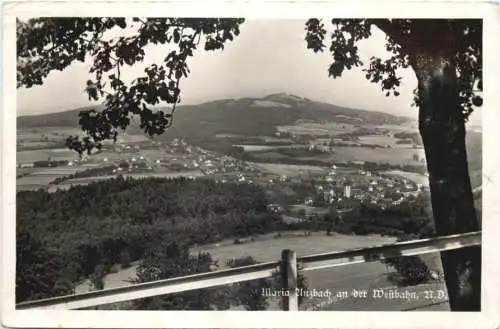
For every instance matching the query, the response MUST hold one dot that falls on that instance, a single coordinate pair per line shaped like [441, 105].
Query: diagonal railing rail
[287, 268]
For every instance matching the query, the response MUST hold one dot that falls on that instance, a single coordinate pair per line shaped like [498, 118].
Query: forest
[100, 224]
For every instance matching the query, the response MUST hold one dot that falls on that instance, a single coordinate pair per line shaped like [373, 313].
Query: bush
[168, 259]
[97, 278]
[125, 259]
[249, 293]
[114, 268]
[412, 269]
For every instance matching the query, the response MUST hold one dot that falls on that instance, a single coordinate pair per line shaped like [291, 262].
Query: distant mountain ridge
[244, 116]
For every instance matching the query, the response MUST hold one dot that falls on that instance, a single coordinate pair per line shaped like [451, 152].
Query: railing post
[289, 280]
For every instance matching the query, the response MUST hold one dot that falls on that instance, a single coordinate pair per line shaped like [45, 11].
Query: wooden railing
[287, 268]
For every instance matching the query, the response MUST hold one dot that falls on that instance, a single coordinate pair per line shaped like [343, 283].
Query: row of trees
[50, 163]
[413, 137]
[90, 172]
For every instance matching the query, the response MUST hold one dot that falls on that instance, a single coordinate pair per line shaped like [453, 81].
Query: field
[250, 148]
[113, 280]
[318, 129]
[382, 140]
[395, 156]
[414, 177]
[45, 154]
[308, 210]
[409, 126]
[43, 137]
[37, 178]
[51, 133]
[289, 170]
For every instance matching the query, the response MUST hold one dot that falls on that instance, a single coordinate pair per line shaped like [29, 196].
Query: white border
[488, 318]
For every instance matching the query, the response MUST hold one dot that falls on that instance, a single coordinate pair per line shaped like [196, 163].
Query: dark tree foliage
[48, 44]
[167, 259]
[113, 222]
[38, 270]
[446, 56]
[249, 294]
[459, 40]
[412, 269]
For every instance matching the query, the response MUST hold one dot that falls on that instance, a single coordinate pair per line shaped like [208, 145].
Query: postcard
[250, 165]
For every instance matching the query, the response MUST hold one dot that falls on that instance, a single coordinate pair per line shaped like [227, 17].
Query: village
[296, 195]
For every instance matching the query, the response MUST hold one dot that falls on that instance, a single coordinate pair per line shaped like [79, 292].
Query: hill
[55, 119]
[245, 116]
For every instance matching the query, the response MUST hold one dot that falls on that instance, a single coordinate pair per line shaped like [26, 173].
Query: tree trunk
[442, 127]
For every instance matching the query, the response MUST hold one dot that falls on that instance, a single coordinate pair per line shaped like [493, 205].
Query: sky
[269, 56]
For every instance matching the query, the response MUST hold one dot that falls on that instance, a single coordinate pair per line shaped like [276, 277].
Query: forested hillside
[97, 224]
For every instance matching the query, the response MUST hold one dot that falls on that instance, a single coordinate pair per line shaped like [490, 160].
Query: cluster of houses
[363, 187]
[346, 192]
[53, 163]
[185, 157]
[280, 179]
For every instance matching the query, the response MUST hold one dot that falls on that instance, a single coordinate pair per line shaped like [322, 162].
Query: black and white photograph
[318, 163]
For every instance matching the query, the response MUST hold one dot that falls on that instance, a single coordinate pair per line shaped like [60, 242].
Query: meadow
[394, 156]
[343, 154]
[289, 170]
[318, 129]
[250, 148]
[51, 133]
[414, 177]
[382, 140]
[36, 178]
[44, 154]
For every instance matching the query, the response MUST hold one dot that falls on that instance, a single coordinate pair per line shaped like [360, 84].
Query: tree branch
[394, 32]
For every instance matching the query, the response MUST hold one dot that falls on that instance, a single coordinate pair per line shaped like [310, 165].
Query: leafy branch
[48, 44]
